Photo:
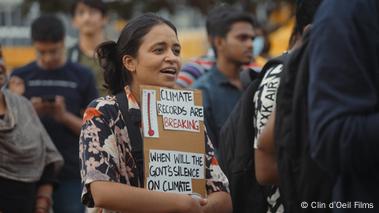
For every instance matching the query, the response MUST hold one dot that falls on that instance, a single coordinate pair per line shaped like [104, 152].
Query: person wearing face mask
[29, 160]
[146, 53]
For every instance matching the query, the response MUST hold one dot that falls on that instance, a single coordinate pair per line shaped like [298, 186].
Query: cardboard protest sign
[174, 149]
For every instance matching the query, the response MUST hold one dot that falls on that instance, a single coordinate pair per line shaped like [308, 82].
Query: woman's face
[158, 58]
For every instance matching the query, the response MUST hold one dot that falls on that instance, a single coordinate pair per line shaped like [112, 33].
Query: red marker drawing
[151, 131]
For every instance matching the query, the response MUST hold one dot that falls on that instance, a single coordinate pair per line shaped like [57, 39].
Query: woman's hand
[193, 204]
[59, 109]
[43, 198]
[17, 85]
[218, 202]
[124, 198]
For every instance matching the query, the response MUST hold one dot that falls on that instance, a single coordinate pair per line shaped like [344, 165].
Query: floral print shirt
[106, 153]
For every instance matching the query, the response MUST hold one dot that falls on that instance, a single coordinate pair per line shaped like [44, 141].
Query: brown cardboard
[175, 140]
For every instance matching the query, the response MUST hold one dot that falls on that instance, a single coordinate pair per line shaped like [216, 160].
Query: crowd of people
[295, 135]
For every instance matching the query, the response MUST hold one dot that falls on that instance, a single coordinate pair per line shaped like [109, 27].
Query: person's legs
[66, 198]
[13, 193]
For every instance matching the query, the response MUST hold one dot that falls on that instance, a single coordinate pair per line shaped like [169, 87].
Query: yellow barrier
[280, 38]
[17, 56]
[194, 43]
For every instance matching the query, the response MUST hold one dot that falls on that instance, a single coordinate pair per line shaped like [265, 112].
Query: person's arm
[57, 110]
[266, 170]
[45, 189]
[72, 122]
[343, 90]
[16, 85]
[218, 202]
[124, 198]
[65, 117]
[43, 198]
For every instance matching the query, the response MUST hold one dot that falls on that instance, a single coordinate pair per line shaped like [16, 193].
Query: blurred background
[274, 16]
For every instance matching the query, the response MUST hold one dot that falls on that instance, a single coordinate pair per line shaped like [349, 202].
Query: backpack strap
[74, 53]
[132, 120]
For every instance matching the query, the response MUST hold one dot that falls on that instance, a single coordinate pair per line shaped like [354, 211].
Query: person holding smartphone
[59, 91]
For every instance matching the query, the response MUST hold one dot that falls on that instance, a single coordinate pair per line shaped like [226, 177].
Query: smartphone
[48, 98]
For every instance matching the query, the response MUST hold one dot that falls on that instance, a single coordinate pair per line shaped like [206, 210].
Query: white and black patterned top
[265, 102]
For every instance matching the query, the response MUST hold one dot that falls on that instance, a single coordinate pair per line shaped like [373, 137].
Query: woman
[29, 160]
[147, 53]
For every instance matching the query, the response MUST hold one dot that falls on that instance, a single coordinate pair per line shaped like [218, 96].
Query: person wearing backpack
[237, 140]
[265, 99]
[344, 100]
[146, 53]
[236, 157]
